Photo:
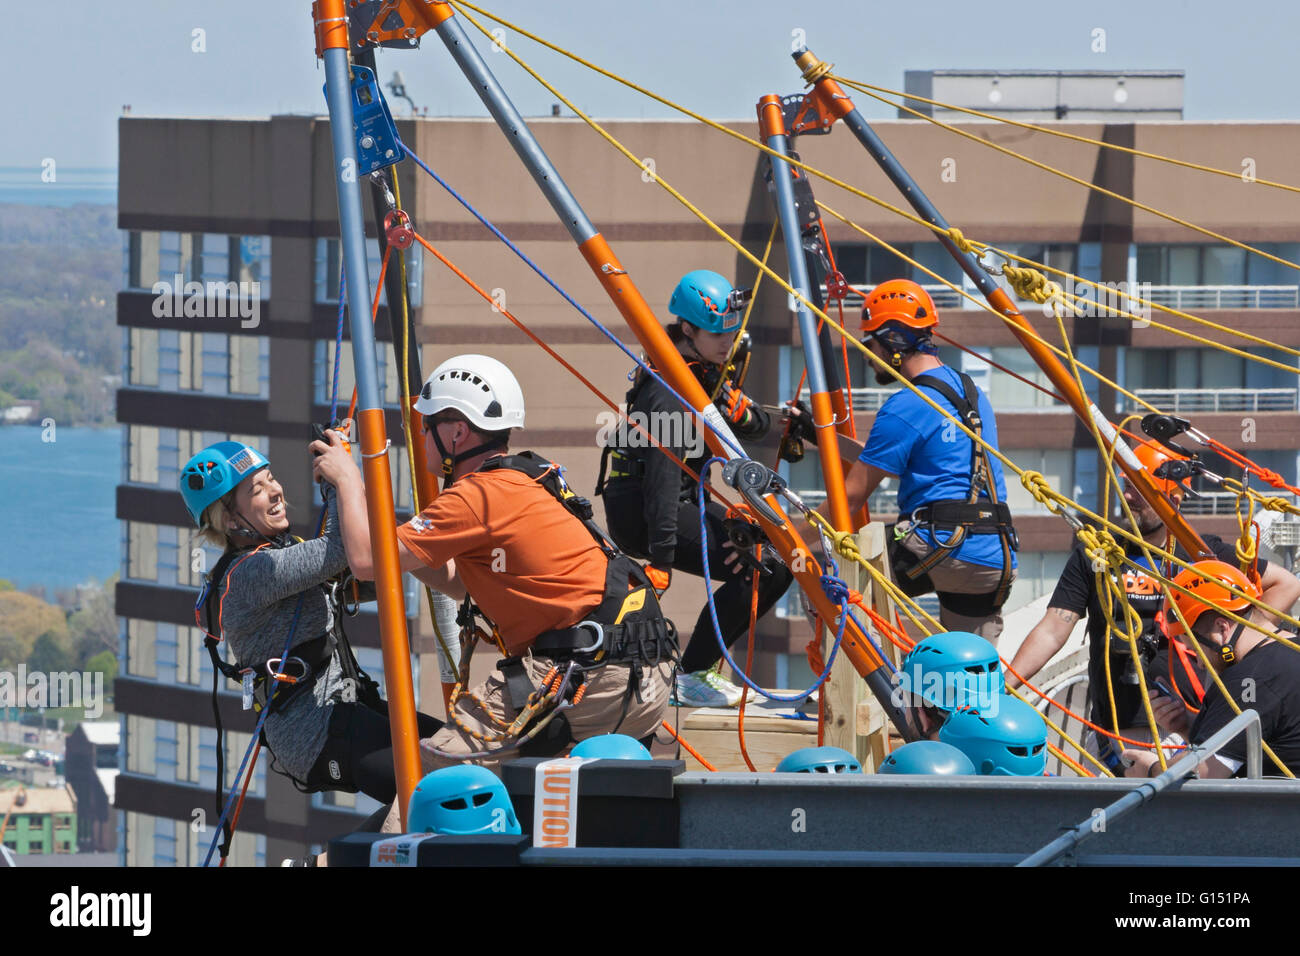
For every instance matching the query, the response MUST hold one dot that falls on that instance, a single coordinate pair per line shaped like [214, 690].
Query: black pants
[358, 753]
[625, 517]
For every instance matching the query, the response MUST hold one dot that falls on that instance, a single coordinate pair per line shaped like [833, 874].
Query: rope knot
[846, 544]
[1032, 284]
[962, 243]
[1101, 547]
[1037, 486]
[836, 590]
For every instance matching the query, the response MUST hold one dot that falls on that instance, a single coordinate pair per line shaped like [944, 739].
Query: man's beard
[1148, 521]
[883, 376]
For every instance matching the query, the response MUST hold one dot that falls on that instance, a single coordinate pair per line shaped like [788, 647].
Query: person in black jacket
[651, 505]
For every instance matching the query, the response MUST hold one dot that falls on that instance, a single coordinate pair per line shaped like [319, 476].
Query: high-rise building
[253, 201]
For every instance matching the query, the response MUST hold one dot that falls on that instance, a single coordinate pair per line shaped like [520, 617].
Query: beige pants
[961, 577]
[599, 712]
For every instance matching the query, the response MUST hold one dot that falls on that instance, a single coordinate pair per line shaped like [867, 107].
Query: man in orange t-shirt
[555, 587]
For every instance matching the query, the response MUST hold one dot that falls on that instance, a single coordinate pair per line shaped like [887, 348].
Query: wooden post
[842, 692]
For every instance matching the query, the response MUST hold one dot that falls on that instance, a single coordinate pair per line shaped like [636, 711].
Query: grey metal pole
[1247, 720]
[790, 233]
[352, 226]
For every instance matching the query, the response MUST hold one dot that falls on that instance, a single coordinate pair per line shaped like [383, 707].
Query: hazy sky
[67, 87]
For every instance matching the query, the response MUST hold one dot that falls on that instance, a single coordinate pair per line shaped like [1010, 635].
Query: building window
[142, 551]
[143, 357]
[323, 374]
[142, 259]
[143, 461]
[1206, 264]
[190, 655]
[187, 753]
[327, 271]
[141, 648]
[190, 365]
[250, 261]
[246, 376]
[141, 744]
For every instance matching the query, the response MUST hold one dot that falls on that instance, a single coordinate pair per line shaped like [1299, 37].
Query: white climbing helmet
[479, 387]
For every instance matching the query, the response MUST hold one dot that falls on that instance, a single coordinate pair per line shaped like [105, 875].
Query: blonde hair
[212, 524]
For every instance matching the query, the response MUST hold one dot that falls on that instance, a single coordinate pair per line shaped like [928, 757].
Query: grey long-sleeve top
[257, 601]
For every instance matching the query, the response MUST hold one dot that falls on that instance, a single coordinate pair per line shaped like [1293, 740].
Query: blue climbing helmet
[611, 747]
[928, 756]
[708, 301]
[953, 670]
[1009, 741]
[216, 470]
[819, 760]
[461, 800]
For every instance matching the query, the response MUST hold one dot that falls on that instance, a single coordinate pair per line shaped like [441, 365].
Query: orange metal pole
[330, 21]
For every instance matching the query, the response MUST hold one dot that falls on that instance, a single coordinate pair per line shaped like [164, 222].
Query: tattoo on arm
[1069, 617]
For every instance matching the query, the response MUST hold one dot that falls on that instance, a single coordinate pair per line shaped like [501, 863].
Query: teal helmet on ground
[611, 747]
[953, 670]
[928, 757]
[708, 301]
[1009, 740]
[460, 801]
[215, 471]
[819, 760]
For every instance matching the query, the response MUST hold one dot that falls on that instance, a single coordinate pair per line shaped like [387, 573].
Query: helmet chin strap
[246, 529]
[450, 459]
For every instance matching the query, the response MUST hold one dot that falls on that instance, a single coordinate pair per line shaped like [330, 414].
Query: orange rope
[1077, 767]
[234, 820]
[687, 747]
[559, 358]
[749, 664]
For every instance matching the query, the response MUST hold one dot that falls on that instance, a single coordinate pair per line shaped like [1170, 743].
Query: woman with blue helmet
[328, 728]
[651, 505]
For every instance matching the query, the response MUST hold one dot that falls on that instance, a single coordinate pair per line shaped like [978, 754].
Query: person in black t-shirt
[1257, 671]
[1173, 662]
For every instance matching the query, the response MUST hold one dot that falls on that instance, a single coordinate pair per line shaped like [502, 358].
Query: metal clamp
[600, 637]
[275, 669]
[398, 229]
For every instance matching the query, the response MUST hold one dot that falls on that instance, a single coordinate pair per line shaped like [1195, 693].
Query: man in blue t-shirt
[954, 534]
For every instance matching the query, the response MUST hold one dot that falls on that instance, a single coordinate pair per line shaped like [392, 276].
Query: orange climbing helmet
[1152, 455]
[1209, 581]
[901, 301]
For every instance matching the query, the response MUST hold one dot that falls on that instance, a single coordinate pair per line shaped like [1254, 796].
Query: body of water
[57, 505]
[70, 185]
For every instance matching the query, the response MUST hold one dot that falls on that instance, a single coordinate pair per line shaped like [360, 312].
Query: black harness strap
[969, 516]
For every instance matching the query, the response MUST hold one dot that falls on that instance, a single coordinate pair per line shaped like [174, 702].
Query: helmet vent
[493, 410]
[481, 798]
[456, 803]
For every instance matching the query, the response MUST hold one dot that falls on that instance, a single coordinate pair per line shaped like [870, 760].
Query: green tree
[106, 663]
[93, 627]
[49, 655]
[24, 618]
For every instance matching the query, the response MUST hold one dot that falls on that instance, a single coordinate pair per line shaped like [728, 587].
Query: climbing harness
[626, 627]
[960, 517]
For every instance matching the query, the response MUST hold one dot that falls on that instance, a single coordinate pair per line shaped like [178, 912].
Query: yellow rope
[1083, 182]
[955, 234]
[1042, 489]
[416, 503]
[868, 88]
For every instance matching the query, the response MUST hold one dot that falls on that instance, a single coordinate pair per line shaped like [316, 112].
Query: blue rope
[717, 628]
[725, 439]
[338, 340]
